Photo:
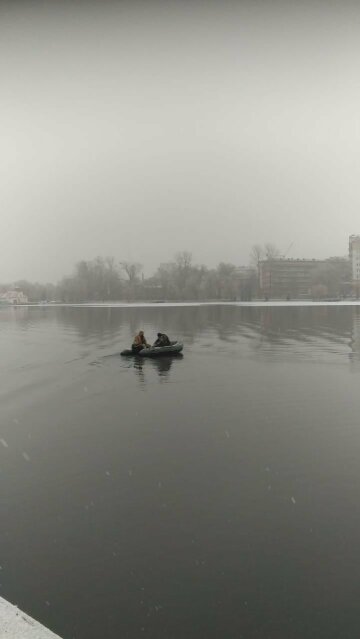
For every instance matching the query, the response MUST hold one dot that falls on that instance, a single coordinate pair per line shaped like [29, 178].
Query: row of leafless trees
[103, 279]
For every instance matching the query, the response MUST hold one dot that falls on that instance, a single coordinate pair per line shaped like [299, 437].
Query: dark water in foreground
[210, 496]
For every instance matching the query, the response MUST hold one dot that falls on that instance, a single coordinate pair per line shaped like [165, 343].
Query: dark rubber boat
[155, 351]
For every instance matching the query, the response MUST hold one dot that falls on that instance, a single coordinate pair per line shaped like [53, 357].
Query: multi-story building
[288, 277]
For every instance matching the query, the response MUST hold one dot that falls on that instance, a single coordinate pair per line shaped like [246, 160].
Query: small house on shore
[13, 297]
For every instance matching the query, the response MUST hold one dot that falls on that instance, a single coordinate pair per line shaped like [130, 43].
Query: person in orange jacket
[139, 342]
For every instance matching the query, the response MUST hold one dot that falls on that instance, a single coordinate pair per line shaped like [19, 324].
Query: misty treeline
[107, 279]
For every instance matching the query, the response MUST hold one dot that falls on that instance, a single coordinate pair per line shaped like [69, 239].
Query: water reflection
[16, 314]
[161, 365]
[263, 331]
[355, 339]
[139, 370]
[273, 323]
[189, 321]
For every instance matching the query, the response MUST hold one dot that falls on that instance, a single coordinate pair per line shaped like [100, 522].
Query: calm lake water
[211, 496]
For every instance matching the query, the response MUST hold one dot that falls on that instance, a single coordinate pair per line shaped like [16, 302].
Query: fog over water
[141, 129]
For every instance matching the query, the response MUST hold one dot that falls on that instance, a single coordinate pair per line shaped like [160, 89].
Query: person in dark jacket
[162, 340]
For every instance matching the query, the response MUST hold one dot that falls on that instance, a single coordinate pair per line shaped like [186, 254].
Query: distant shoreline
[138, 304]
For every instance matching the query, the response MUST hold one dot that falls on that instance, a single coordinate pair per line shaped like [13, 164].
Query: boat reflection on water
[161, 365]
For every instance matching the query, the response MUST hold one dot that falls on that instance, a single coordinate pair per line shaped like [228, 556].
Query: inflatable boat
[155, 351]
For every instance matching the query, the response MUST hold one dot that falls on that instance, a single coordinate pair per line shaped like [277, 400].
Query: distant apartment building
[288, 277]
[354, 254]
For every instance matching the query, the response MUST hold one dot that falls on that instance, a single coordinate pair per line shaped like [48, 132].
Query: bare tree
[183, 262]
[271, 251]
[227, 280]
[132, 270]
[256, 255]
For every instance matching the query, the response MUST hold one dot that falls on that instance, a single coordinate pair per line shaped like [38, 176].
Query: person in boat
[162, 340]
[139, 342]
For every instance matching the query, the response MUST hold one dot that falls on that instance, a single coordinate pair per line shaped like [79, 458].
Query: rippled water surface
[214, 495]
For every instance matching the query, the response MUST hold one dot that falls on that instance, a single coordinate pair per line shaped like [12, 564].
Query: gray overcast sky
[138, 130]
